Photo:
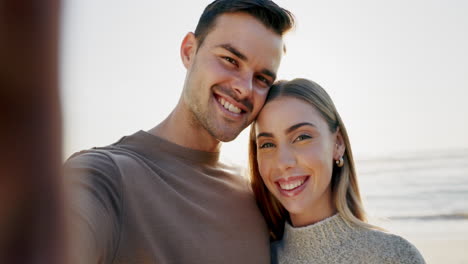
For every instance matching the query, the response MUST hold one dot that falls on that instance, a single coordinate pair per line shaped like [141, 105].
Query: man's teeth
[229, 106]
[291, 185]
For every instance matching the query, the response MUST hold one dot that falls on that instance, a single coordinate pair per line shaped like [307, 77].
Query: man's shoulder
[99, 158]
[98, 162]
[103, 156]
[237, 174]
[232, 166]
[93, 169]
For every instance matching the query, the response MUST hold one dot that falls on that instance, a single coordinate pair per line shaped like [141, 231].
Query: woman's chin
[293, 209]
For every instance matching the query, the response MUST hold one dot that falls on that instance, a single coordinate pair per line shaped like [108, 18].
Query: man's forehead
[248, 36]
[238, 26]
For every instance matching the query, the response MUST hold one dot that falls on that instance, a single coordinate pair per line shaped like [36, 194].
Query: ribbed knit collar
[328, 233]
[150, 145]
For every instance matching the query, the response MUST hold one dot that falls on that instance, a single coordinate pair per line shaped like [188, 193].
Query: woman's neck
[314, 215]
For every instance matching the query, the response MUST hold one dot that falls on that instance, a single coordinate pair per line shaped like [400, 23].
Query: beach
[423, 198]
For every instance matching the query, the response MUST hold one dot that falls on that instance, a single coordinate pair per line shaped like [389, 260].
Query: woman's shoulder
[392, 247]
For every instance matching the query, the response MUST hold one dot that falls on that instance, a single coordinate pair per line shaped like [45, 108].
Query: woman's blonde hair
[345, 190]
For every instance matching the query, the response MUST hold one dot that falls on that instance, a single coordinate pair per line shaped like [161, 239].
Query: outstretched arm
[94, 207]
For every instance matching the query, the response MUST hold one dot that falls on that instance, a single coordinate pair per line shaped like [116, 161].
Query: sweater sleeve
[94, 198]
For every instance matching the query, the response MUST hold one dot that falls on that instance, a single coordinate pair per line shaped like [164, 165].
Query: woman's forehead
[283, 112]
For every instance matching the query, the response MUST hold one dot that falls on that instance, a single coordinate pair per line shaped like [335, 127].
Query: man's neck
[177, 129]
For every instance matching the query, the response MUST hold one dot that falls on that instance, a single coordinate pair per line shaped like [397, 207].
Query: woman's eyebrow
[296, 126]
[264, 134]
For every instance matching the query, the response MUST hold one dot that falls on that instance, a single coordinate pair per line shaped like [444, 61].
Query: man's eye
[267, 145]
[230, 60]
[302, 137]
[264, 80]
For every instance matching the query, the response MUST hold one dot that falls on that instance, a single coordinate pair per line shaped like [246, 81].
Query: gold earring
[340, 162]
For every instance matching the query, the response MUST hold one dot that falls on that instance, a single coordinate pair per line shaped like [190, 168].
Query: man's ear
[340, 146]
[188, 49]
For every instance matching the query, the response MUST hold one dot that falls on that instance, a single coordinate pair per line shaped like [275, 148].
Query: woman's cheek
[263, 168]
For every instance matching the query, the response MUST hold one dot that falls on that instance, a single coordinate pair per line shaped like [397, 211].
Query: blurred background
[32, 224]
[397, 71]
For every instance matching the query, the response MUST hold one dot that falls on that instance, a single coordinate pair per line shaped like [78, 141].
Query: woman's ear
[340, 146]
[188, 49]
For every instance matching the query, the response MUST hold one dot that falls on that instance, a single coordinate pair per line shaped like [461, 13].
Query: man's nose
[242, 85]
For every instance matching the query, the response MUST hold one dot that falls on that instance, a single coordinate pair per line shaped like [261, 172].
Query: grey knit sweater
[335, 240]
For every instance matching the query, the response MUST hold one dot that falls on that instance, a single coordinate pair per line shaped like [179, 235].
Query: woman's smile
[292, 186]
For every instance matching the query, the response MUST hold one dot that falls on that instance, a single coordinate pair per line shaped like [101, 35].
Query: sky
[396, 70]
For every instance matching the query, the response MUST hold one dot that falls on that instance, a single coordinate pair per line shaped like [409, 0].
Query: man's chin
[225, 132]
[227, 138]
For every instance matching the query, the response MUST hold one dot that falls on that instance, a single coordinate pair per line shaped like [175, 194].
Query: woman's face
[295, 154]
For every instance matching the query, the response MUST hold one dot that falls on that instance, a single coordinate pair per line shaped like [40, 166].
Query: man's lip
[230, 100]
[230, 115]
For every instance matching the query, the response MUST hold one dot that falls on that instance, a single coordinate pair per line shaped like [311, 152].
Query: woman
[304, 180]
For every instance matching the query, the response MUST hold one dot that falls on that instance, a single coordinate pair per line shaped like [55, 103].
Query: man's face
[228, 78]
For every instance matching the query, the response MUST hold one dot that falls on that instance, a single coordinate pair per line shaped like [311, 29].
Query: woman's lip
[296, 191]
[291, 179]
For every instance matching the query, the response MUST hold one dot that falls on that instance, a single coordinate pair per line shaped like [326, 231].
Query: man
[163, 196]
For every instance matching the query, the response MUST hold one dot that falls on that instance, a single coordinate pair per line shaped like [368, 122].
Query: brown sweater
[147, 200]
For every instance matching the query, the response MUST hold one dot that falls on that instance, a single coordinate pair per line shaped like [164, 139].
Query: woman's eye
[302, 137]
[266, 145]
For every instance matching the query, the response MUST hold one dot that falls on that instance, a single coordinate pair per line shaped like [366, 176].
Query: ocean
[422, 187]
[422, 197]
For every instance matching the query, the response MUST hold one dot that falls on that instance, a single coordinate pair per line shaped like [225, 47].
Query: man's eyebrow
[264, 134]
[241, 56]
[234, 51]
[296, 126]
[269, 73]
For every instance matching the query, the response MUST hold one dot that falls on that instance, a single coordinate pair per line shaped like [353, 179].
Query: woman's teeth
[228, 106]
[291, 185]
